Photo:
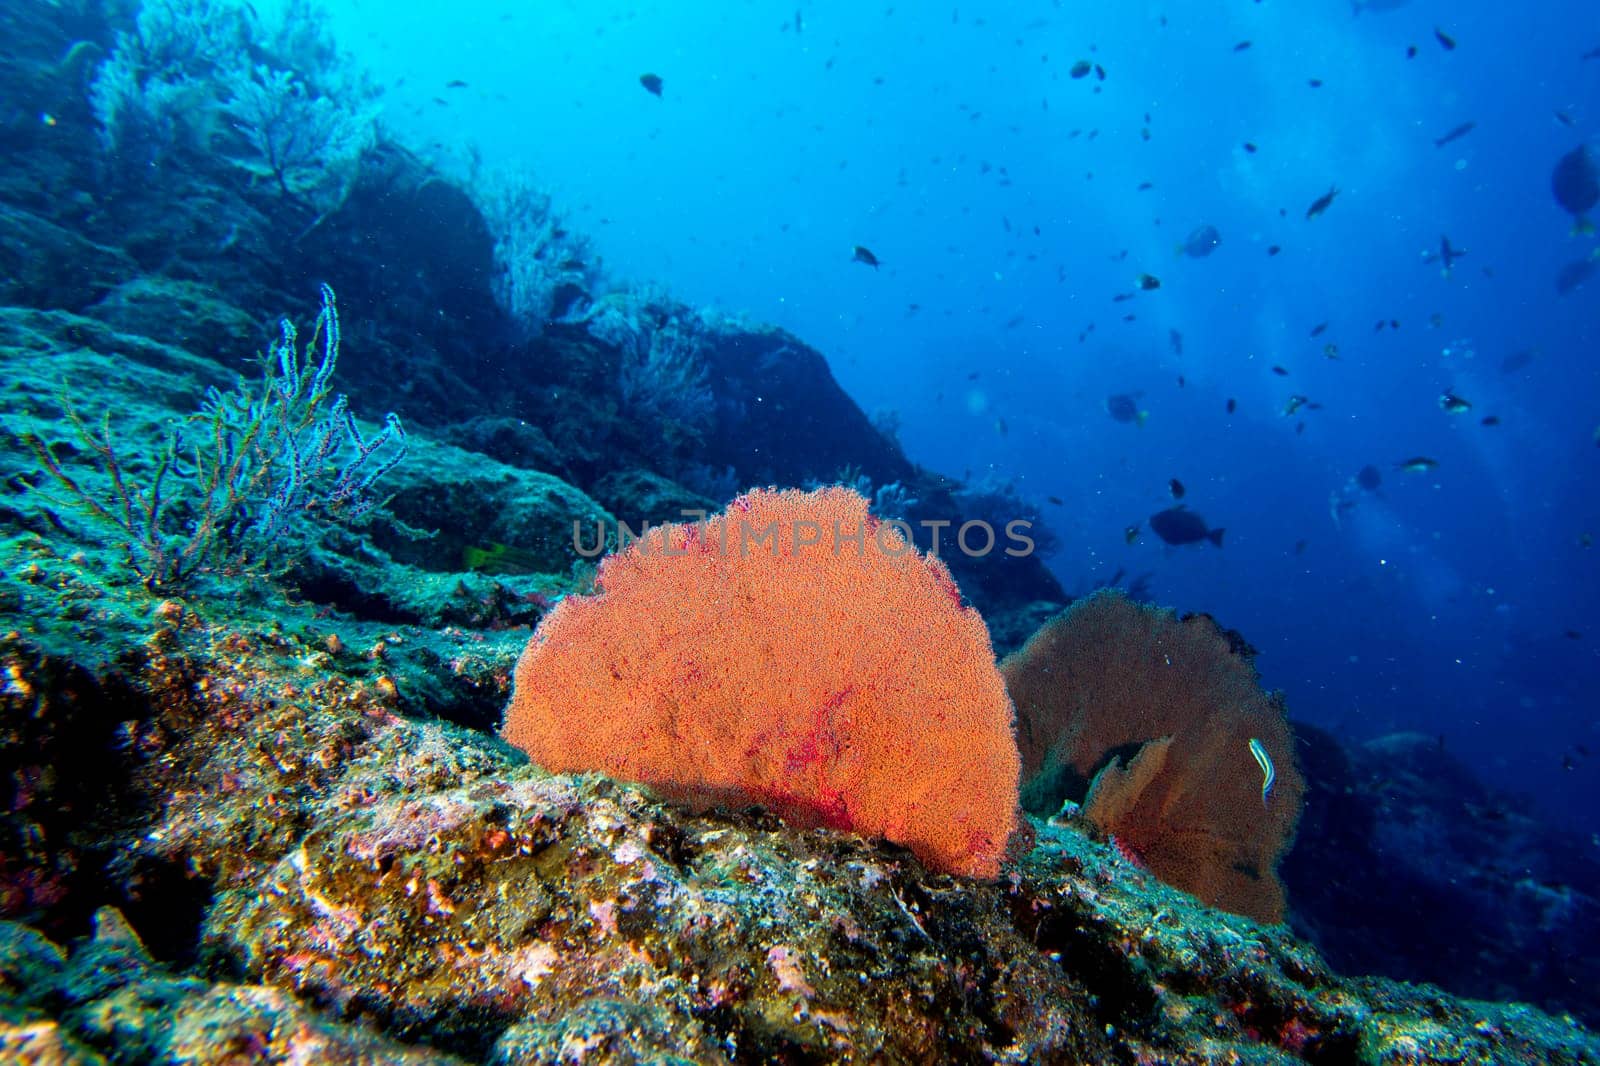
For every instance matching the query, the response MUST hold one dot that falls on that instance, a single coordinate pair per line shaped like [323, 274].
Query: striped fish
[1269, 773]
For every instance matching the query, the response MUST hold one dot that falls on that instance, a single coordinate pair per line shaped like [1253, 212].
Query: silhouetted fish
[1576, 183]
[1179, 525]
[860, 254]
[1124, 407]
[1577, 272]
[1446, 255]
[1516, 361]
[1321, 203]
[1202, 242]
[651, 83]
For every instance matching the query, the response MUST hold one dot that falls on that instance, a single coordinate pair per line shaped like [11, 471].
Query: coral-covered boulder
[1192, 764]
[791, 652]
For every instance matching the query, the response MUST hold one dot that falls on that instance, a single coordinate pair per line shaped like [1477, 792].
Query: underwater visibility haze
[495, 511]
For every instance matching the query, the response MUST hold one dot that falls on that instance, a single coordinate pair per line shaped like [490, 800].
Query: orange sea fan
[792, 652]
[1159, 712]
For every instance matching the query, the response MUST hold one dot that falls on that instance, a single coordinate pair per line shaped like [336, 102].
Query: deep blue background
[941, 136]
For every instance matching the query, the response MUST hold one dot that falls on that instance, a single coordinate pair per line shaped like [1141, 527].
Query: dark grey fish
[1516, 361]
[1202, 242]
[652, 83]
[1455, 134]
[1446, 255]
[1369, 478]
[861, 254]
[1576, 273]
[1179, 525]
[1575, 181]
[1124, 407]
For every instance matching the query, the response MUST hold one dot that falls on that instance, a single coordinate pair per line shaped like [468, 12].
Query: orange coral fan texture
[839, 685]
[1110, 674]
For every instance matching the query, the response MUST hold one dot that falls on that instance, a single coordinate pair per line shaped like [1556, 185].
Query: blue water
[952, 141]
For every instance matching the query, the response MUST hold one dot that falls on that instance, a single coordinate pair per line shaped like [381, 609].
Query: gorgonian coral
[792, 652]
[1160, 714]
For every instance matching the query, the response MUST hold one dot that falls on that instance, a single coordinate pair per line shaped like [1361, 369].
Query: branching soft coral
[792, 652]
[1164, 710]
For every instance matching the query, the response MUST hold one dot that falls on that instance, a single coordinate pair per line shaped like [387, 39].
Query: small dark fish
[861, 254]
[651, 83]
[1316, 330]
[1081, 68]
[1295, 403]
[1180, 381]
[1099, 72]
[1056, 500]
[1175, 487]
[1233, 405]
[1450, 403]
[1593, 53]
[1411, 52]
[1121, 296]
[1280, 371]
[1300, 547]
[1490, 420]
[1145, 186]
[1572, 634]
[1315, 83]
[1575, 181]
[1564, 118]
[1130, 534]
[1320, 204]
[1124, 407]
[1201, 242]
[1455, 134]
[1176, 340]
[1148, 282]
[1000, 427]
[1241, 46]
[1446, 255]
[1447, 42]
[1516, 361]
[1250, 146]
[455, 83]
[1420, 464]
[1179, 525]
[1273, 249]
[1576, 273]
[1369, 478]
[1330, 350]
